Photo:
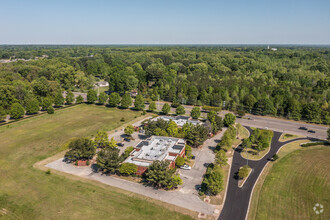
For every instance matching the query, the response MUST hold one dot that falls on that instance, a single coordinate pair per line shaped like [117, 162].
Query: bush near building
[179, 161]
[127, 168]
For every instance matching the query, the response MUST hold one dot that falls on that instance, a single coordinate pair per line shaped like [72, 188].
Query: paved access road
[275, 124]
[238, 199]
[284, 126]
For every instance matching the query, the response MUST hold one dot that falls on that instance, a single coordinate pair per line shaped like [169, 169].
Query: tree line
[234, 78]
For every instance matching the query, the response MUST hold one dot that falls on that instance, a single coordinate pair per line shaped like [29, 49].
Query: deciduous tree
[195, 112]
[17, 111]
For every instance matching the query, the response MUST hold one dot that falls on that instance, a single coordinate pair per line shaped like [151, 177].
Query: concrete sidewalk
[180, 198]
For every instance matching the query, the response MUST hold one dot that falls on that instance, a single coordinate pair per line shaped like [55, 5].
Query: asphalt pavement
[238, 199]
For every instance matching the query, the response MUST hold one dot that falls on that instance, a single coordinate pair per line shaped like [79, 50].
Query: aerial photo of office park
[162, 110]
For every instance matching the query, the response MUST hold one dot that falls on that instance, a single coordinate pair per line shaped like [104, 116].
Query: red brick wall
[141, 170]
[172, 164]
[183, 152]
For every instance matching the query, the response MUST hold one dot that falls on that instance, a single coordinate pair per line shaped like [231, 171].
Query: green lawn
[286, 137]
[29, 193]
[294, 184]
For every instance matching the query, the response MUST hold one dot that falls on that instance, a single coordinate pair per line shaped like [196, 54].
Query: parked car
[185, 167]
[303, 128]
[311, 131]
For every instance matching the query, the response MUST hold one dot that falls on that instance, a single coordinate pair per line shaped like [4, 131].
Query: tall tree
[102, 98]
[195, 112]
[91, 96]
[80, 149]
[108, 160]
[32, 106]
[101, 139]
[166, 109]
[139, 102]
[69, 98]
[17, 111]
[152, 106]
[126, 101]
[59, 100]
[114, 99]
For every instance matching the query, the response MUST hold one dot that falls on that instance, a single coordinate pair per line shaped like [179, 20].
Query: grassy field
[29, 193]
[286, 137]
[291, 186]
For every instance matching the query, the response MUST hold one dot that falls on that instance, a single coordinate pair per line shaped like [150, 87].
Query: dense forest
[292, 82]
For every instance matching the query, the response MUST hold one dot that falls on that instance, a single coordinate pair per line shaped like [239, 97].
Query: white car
[185, 167]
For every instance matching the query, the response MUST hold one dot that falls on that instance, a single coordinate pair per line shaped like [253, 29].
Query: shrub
[128, 169]
[314, 144]
[275, 157]
[244, 172]
[127, 151]
[48, 172]
[179, 161]
[50, 110]
[122, 119]
[211, 108]
[79, 99]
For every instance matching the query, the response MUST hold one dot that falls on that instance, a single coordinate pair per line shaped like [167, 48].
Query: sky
[165, 22]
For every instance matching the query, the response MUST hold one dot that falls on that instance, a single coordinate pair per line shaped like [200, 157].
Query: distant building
[102, 84]
[274, 49]
[156, 148]
[134, 93]
[179, 120]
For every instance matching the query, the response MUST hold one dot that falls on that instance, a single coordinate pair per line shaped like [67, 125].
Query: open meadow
[29, 193]
[293, 185]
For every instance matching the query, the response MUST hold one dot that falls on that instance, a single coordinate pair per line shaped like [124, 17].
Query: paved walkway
[238, 199]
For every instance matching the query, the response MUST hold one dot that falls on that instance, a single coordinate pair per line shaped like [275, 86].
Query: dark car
[311, 131]
[303, 128]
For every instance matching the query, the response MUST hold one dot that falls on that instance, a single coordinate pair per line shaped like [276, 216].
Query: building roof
[179, 120]
[156, 148]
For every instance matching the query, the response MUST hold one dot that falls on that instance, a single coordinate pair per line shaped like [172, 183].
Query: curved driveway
[237, 199]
